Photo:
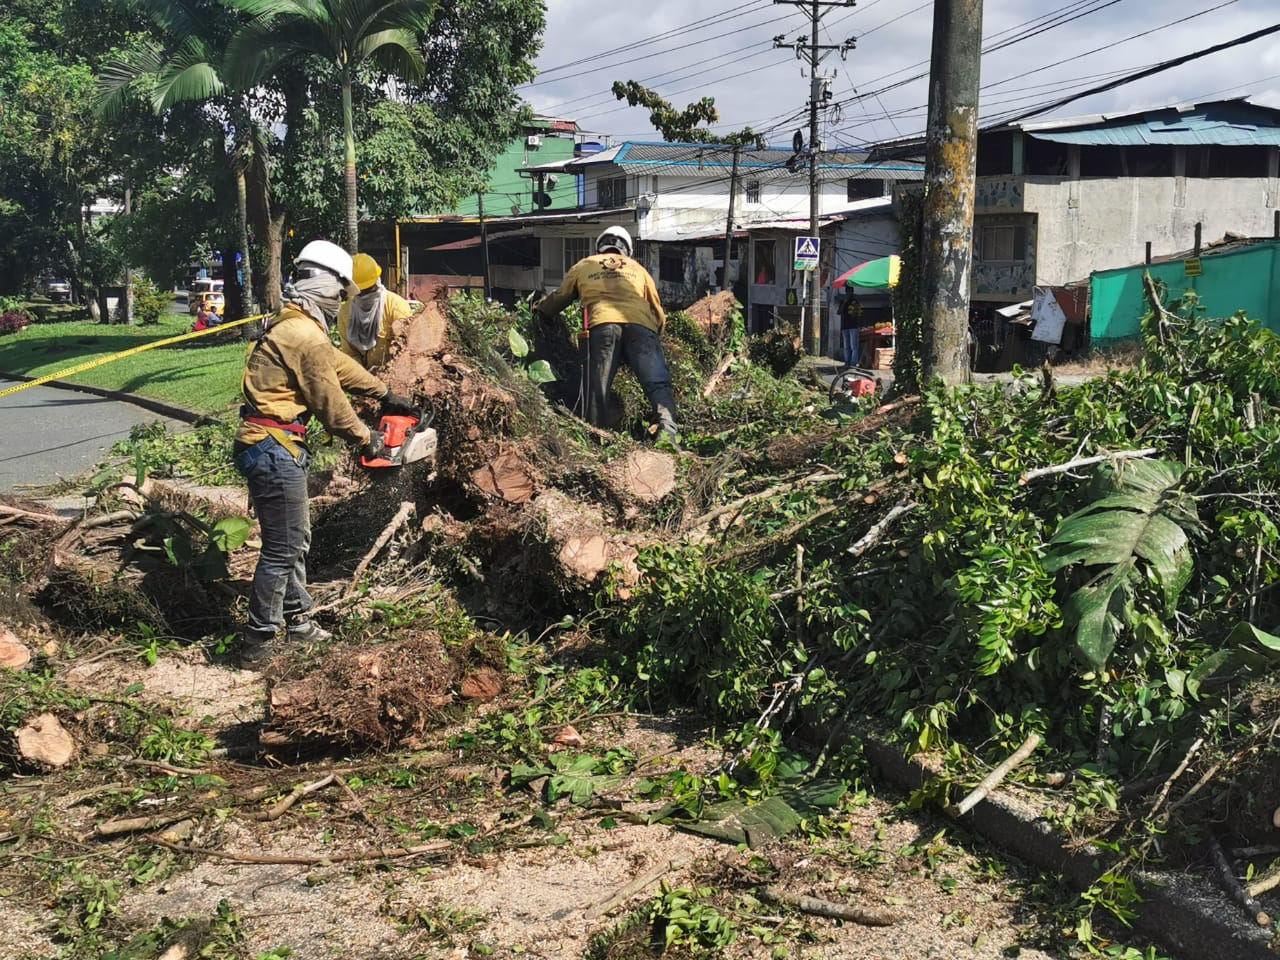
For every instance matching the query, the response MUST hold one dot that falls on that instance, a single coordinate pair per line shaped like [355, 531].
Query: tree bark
[242, 229]
[348, 129]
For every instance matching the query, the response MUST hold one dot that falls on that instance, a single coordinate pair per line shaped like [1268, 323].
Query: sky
[689, 49]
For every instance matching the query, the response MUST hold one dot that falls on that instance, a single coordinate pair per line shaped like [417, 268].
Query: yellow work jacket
[295, 371]
[395, 307]
[613, 289]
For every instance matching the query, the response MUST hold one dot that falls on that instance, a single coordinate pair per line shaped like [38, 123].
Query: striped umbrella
[878, 274]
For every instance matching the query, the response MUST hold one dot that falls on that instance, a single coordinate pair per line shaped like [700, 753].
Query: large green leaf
[739, 821]
[1142, 516]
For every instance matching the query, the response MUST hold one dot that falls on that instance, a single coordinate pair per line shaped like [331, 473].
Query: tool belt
[279, 430]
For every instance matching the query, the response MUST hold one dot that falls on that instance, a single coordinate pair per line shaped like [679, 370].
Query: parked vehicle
[56, 289]
[198, 289]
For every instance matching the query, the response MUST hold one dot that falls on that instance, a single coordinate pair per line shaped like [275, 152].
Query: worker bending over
[364, 321]
[294, 372]
[625, 321]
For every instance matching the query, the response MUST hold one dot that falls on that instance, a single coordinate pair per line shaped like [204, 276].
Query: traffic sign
[806, 257]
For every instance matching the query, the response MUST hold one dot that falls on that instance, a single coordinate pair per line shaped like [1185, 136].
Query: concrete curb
[1181, 912]
[155, 406]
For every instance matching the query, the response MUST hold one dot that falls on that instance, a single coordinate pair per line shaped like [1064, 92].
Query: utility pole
[484, 244]
[819, 94]
[728, 224]
[950, 169]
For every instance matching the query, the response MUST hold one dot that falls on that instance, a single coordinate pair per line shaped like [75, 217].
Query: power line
[666, 35]
[1141, 74]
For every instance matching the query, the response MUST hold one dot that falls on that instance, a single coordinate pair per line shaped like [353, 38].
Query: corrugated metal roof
[1225, 123]
[693, 159]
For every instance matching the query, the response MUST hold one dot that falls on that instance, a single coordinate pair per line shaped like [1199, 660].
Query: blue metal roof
[1226, 123]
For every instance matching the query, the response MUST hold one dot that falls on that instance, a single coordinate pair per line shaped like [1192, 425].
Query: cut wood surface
[14, 654]
[43, 739]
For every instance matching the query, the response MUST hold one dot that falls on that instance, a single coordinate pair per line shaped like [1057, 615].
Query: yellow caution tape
[100, 361]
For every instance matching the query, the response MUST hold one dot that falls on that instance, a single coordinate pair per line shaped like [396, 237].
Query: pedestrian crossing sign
[806, 253]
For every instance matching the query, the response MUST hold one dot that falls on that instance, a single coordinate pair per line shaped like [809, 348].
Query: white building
[674, 198]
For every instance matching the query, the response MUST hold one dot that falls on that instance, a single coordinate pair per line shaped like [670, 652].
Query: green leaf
[231, 532]
[540, 372]
[1140, 518]
[519, 346]
[522, 773]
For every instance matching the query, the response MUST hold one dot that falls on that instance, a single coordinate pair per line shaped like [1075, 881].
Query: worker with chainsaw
[624, 320]
[294, 372]
[364, 321]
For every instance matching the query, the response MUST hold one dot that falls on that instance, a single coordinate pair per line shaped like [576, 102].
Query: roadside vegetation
[1085, 573]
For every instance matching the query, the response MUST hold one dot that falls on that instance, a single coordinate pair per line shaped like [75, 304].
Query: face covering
[366, 318]
[318, 297]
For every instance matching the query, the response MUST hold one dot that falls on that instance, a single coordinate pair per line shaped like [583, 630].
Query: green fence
[1246, 279]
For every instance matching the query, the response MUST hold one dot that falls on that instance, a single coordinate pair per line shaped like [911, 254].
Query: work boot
[307, 631]
[256, 648]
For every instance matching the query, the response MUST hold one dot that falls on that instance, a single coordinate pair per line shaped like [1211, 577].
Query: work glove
[394, 403]
[375, 447]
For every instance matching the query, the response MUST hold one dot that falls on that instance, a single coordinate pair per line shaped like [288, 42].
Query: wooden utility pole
[728, 224]
[950, 169]
[819, 94]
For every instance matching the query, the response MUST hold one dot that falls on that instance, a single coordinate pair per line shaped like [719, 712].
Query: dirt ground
[535, 888]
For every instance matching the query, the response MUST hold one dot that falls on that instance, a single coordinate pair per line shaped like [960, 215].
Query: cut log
[581, 544]
[506, 476]
[14, 654]
[44, 740]
[710, 312]
[643, 475]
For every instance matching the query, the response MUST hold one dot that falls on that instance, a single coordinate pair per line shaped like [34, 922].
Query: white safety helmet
[614, 238]
[323, 255]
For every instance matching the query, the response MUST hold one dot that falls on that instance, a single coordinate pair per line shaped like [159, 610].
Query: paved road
[47, 434]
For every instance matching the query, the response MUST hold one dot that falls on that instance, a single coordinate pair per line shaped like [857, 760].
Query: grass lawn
[201, 375]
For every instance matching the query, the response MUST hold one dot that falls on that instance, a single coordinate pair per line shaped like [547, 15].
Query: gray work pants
[278, 490]
[612, 343]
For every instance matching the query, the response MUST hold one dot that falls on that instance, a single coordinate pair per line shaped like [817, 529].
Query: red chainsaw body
[394, 428]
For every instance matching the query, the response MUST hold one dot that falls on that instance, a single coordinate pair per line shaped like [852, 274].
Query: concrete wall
[1083, 225]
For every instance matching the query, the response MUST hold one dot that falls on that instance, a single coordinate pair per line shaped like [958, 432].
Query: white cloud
[724, 49]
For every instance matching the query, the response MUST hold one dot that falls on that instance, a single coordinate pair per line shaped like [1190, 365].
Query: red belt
[299, 428]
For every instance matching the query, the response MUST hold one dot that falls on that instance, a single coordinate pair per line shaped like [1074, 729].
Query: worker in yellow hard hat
[364, 321]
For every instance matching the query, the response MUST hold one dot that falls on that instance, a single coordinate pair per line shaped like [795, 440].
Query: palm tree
[346, 33]
[186, 69]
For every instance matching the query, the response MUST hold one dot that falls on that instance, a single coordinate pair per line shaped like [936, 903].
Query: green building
[543, 140]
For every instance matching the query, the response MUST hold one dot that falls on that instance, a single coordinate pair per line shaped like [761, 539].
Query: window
[860, 188]
[766, 267]
[1227, 161]
[670, 266]
[753, 191]
[1002, 243]
[575, 249]
[612, 191]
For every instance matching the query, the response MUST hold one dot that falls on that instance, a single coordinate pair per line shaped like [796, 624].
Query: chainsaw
[406, 438]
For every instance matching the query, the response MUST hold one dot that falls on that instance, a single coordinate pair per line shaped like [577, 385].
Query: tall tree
[347, 34]
[184, 65]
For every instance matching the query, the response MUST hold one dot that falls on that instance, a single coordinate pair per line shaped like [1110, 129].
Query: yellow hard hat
[365, 271]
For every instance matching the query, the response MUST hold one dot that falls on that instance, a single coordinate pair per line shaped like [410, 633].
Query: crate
[883, 358]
